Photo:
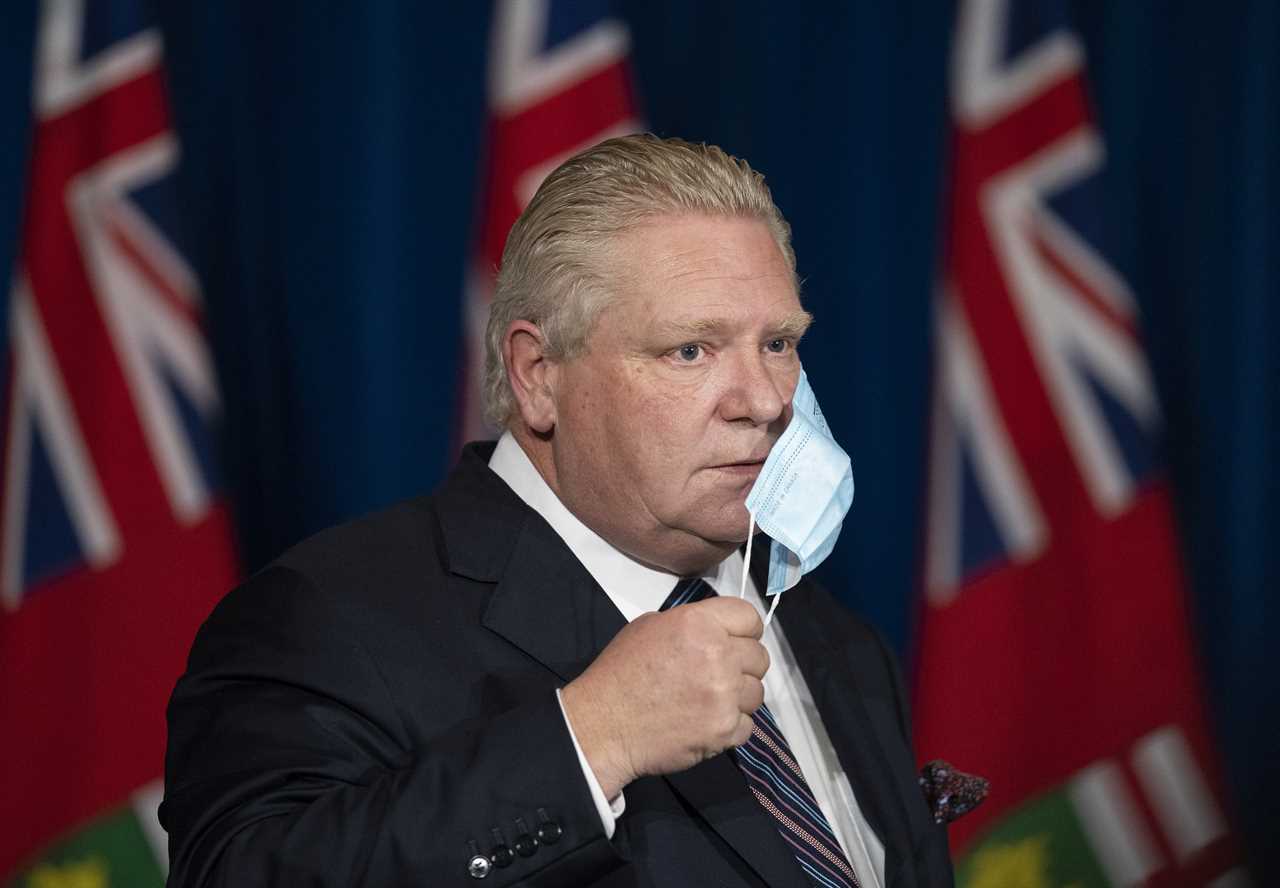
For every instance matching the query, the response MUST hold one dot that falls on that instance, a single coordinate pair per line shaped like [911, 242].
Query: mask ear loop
[746, 567]
[773, 607]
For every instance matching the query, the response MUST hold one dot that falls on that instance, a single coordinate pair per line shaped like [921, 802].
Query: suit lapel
[855, 734]
[717, 790]
[544, 602]
[549, 606]
[861, 752]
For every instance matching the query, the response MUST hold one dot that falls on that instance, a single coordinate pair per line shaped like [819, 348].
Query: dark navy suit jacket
[378, 704]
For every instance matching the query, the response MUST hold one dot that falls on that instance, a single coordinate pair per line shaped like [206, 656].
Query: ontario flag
[559, 82]
[1055, 654]
[114, 540]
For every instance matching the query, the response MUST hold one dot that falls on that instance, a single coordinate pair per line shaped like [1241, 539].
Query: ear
[530, 373]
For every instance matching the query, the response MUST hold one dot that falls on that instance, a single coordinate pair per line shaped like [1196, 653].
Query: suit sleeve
[288, 764]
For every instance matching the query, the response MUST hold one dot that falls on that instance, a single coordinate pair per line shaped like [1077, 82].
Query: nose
[756, 392]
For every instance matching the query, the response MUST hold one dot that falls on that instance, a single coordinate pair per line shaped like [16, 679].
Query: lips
[750, 461]
[741, 466]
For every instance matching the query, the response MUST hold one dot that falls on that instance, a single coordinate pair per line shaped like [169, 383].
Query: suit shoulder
[340, 568]
[391, 543]
[376, 570]
[379, 583]
[844, 624]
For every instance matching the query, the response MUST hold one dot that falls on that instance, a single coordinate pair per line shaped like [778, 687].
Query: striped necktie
[774, 778]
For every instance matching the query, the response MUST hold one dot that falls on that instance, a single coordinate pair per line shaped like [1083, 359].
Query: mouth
[746, 467]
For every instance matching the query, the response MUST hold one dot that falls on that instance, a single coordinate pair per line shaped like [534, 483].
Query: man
[484, 684]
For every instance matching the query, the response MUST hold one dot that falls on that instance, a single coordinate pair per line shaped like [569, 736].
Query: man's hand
[670, 690]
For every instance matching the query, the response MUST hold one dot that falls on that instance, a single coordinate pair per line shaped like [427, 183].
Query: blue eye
[689, 352]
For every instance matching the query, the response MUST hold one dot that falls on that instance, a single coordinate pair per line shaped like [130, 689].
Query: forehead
[682, 268]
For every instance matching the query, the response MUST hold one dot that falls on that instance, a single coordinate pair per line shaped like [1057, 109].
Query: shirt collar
[633, 587]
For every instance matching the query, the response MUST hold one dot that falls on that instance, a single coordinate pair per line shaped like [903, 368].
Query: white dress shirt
[635, 589]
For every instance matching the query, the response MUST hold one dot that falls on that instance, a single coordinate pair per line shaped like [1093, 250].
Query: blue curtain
[330, 164]
[331, 158]
[17, 29]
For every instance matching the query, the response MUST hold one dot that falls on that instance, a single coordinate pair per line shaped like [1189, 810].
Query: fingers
[750, 656]
[751, 696]
[735, 616]
[743, 732]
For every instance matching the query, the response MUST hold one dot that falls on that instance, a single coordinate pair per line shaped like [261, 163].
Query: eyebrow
[793, 326]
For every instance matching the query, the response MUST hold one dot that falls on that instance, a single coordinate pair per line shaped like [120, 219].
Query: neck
[539, 450]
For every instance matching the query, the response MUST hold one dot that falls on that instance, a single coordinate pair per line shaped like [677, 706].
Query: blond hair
[551, 271]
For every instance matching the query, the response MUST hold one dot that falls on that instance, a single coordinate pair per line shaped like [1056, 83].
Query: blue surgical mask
[802, 494]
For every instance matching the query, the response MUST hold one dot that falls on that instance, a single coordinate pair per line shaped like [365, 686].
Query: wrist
[600, 742]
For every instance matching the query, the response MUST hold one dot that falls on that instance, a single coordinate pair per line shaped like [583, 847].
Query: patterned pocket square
[949, 792]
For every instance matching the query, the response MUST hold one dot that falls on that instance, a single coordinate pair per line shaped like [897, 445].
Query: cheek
[789, 377]
[625, 422]
[658, 426]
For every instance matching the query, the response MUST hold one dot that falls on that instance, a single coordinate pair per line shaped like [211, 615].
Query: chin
[719, 539]
[695, 543]
[698, 556]
[728, 527]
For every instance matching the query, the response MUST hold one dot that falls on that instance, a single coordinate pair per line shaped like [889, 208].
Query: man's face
[663, 424]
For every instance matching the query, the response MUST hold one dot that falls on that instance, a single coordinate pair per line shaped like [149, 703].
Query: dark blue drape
[331, 157]
[17, 28]
[330, 167]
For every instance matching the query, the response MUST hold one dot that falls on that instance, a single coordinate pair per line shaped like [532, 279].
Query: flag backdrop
[331, 178]
[1056, 658]
[558, 83]
[114, 540]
